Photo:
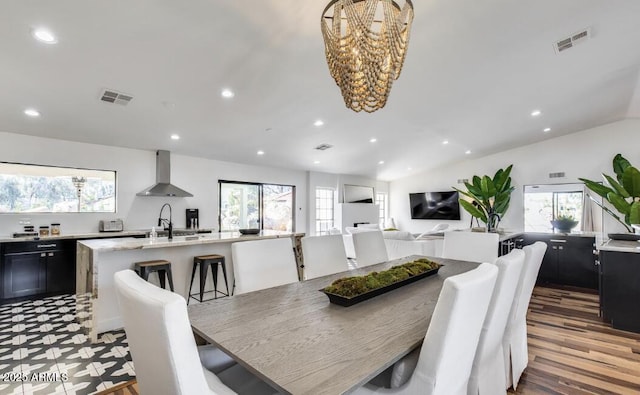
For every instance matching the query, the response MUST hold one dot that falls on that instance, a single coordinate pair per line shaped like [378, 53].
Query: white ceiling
[474, 72]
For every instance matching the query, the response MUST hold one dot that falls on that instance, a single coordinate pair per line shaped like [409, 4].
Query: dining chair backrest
[261, 264]
[487, 374]
[446, 357]
[514, 343]
[162, 345]
[370, 248]
[471, 246]
[323, 255]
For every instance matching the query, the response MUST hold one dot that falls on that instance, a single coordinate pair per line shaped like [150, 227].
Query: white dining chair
[443, 364]
[261, 264]
[471, 246]
[164, 350]
[487, 374]
[370, 248]
[323, 255]
[514, 343]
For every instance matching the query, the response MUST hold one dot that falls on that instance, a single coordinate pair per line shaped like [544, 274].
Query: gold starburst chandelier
[365, 44]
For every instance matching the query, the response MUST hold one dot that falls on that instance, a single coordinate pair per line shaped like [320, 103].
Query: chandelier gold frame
[365, 55]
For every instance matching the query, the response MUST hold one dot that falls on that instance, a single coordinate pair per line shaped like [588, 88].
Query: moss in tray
[353, 286]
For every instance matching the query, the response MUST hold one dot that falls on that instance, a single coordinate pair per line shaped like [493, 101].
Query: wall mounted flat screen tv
[435, 205]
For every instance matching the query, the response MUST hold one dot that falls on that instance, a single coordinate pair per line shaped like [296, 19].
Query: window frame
[382, 208]
[260, 202]
[333, 210]
[115, 191]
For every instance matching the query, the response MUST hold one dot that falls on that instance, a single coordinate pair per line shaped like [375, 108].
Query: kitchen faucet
[169, 224]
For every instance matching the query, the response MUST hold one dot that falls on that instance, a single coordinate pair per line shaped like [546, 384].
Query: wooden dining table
[296, 341]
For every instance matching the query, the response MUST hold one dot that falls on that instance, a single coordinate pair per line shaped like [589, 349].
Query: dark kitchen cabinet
[61, 269]
[569, 260]
[620, 289]
[37, 268]
[24, 275]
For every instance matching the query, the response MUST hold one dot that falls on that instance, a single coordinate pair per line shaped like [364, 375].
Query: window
[49, 189]
[543, 203]
[325, 198]
[256, 205]
[381, 201]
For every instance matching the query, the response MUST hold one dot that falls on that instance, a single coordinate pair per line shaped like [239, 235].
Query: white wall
[136, 171]
[585, 154]
[337, 182]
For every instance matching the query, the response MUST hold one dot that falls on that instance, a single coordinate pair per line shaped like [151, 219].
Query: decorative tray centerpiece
[251, 231]
[348, 291]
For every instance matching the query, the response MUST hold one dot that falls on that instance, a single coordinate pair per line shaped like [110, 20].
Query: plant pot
[563, 225]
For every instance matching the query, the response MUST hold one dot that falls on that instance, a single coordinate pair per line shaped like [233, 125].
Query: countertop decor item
[348, 291]
[488, 198]
[365, 45]
[623, 192]
[624, 236]
[253, 231]
[564, 223]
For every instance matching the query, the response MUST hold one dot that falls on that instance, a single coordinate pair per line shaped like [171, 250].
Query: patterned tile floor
[43, 351]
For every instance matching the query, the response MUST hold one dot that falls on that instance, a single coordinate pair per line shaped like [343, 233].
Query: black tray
[249, 231]
[346, 302]
[624, 236]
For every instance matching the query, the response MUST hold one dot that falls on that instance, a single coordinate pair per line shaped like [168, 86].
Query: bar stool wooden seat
[161, 266]
[204, 262]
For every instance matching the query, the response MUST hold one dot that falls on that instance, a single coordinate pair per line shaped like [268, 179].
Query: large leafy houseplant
[490, 197]
[623, 192]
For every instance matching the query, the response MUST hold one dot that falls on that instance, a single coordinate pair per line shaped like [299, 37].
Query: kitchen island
[97, 260]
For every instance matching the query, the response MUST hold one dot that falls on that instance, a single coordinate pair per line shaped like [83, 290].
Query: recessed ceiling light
[445, 142]
[381, 162]
[546, 130]
[535, 113]
[31, 112]
[409, 169]
[373, 140]
[175, 137]
[467, 152]
[318, 123]
[45, 36]
[316, 162]
[227, 93]
[260, 152]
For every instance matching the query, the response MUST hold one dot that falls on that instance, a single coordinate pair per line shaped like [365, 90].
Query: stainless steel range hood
[163, 185]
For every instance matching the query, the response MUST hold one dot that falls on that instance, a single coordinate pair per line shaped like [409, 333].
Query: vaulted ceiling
[474, 72]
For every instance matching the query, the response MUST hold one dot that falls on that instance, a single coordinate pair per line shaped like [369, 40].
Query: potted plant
[623, 192]
[489, 197]
[564, 223]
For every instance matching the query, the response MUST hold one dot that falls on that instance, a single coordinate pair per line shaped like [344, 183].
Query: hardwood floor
[128, 388]
[571, 351]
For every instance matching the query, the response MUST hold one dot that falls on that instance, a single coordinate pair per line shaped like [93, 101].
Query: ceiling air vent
[557, 175]
[111, 96]
[462, 180]
[571, 41]
[323, 147]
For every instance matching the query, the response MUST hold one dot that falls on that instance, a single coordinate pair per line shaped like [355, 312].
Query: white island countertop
[130, 243]
[620, 246]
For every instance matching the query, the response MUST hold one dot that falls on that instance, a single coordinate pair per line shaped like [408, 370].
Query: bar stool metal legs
[162, 267]
[203, 262]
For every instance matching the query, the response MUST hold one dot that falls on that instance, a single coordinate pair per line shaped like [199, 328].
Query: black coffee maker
[193, 220]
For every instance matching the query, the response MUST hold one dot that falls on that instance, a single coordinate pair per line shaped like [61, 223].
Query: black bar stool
[162, 267]
[204, 261]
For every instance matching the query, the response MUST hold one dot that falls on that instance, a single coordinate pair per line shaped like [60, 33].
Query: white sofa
[399, 244]
[399, 248]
